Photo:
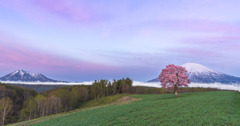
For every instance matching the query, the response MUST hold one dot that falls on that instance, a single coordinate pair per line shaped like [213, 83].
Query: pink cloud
[13, 55]
[216, 45]
[195, 52]
[194, 25]
[235, 48]
[42, 11]
[202, 25]
[229, 40]
[74, 11]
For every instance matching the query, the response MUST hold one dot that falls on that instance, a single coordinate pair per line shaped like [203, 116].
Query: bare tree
[5, 108]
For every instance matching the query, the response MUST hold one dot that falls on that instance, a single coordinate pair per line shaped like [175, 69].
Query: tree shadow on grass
[169, 97]
[181, 95]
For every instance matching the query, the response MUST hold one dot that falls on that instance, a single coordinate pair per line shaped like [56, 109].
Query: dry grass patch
[125, 100]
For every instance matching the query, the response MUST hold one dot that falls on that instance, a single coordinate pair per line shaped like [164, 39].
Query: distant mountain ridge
[25, 76]
[201, 74]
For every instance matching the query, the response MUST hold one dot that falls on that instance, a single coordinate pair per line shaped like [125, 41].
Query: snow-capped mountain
[25, 76]
[201, 74]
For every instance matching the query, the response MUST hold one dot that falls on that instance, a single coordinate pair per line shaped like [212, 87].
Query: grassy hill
[203, 108]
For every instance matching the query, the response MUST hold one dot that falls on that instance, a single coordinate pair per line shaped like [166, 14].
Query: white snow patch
[13, 73]
[22, 72]
[197, 68]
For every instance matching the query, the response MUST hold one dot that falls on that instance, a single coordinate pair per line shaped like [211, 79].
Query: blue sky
[87, 40]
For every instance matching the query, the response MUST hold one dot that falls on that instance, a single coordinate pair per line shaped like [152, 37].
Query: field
[204, 108]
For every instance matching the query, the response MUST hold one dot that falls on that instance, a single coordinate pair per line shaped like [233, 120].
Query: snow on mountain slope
[196, 68]
[201, 74]
[25, 76]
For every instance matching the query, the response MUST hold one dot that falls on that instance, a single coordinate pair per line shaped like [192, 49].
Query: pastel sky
[83, 40]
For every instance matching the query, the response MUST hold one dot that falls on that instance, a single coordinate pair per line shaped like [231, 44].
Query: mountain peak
[23, 72]
[200, 74]
[22, 75]
[196, 68]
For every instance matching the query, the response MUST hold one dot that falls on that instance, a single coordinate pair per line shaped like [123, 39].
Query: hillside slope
[204, 108]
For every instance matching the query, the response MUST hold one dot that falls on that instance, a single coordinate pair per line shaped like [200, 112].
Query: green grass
[218, 108]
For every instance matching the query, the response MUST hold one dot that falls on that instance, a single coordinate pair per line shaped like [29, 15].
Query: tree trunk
[4, 111]
[175, 91]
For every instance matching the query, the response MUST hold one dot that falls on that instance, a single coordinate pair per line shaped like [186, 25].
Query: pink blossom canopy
[174, 76]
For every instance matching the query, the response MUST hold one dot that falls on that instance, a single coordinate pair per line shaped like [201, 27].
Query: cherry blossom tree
[173, 77]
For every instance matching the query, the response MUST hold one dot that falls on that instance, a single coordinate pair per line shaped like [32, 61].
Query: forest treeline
[25, 104]
[11, 102]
